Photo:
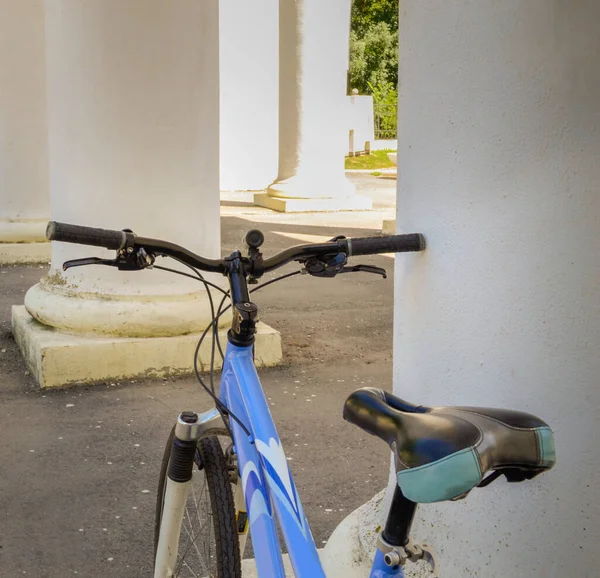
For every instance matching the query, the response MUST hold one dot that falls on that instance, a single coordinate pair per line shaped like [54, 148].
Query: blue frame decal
[269, 489]
[267, 481]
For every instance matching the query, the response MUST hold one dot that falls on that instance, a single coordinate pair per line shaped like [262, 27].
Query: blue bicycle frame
[267, 482]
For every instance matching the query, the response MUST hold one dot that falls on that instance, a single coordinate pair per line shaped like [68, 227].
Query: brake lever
[125, 261]
[365, 269]
[88, 261]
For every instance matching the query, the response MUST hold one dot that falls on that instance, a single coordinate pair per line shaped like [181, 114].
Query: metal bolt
[392, 558]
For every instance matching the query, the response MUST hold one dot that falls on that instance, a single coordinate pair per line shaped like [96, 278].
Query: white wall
[249, 76]
[360, 120]
[388, 144]
[499, 166]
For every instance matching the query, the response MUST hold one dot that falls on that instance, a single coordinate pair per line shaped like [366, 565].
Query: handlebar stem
[245, 313]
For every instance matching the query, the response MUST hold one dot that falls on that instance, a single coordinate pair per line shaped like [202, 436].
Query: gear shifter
[319, 268]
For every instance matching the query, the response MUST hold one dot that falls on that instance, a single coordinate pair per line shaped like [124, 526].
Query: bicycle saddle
[442, 453]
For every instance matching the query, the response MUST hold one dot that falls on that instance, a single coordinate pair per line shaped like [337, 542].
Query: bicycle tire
[210, 465]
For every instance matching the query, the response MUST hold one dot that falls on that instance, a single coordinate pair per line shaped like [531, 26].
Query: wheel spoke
[209, 519]
[192, 542]
[190, 569]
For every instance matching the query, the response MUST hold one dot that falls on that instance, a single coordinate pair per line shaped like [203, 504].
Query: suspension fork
[189, 429]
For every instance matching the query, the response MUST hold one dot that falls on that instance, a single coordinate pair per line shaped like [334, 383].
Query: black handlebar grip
[387, 244]
[86, 235]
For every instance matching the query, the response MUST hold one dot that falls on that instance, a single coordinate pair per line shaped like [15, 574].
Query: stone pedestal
[59, 358]
[304, 205]
[313, 108]
[133, 104]
[24, 197]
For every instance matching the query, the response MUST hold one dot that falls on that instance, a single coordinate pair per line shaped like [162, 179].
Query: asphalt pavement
[79, 466]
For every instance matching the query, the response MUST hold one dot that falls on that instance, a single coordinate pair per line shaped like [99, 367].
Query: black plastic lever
[126, 261]
[88, 261]
[365, 269]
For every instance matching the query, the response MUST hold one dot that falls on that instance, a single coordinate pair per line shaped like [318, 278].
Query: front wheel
[208, 543]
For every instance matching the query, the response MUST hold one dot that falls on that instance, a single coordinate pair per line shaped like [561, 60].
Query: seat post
[399, 520]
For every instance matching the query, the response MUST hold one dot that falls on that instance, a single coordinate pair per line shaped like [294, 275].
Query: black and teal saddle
[442, 453]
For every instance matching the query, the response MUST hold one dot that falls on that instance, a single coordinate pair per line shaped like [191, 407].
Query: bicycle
[440, 453]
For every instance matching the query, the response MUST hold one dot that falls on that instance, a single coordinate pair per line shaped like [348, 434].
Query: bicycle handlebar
[120, 240]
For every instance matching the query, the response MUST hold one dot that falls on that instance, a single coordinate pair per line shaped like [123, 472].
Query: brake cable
[221, 407]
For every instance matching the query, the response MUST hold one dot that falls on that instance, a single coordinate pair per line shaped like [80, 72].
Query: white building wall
[499, 167]
[249, 85]
[360, 120]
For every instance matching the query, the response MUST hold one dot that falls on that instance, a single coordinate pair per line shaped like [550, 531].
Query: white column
[313, 106]
[24, 200]
[249, 72]
[133, 108]
[500, 124]
[133, 143]
[498, 165]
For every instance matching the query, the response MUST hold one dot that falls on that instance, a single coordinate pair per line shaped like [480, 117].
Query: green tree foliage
[374, 58]
[365, 13]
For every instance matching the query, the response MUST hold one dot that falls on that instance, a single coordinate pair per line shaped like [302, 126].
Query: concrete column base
[59, 359]
[22, 253]
[288, 205]
[389, 227]
[350, 550]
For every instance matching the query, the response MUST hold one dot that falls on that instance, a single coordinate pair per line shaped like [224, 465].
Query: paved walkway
[76, 463]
